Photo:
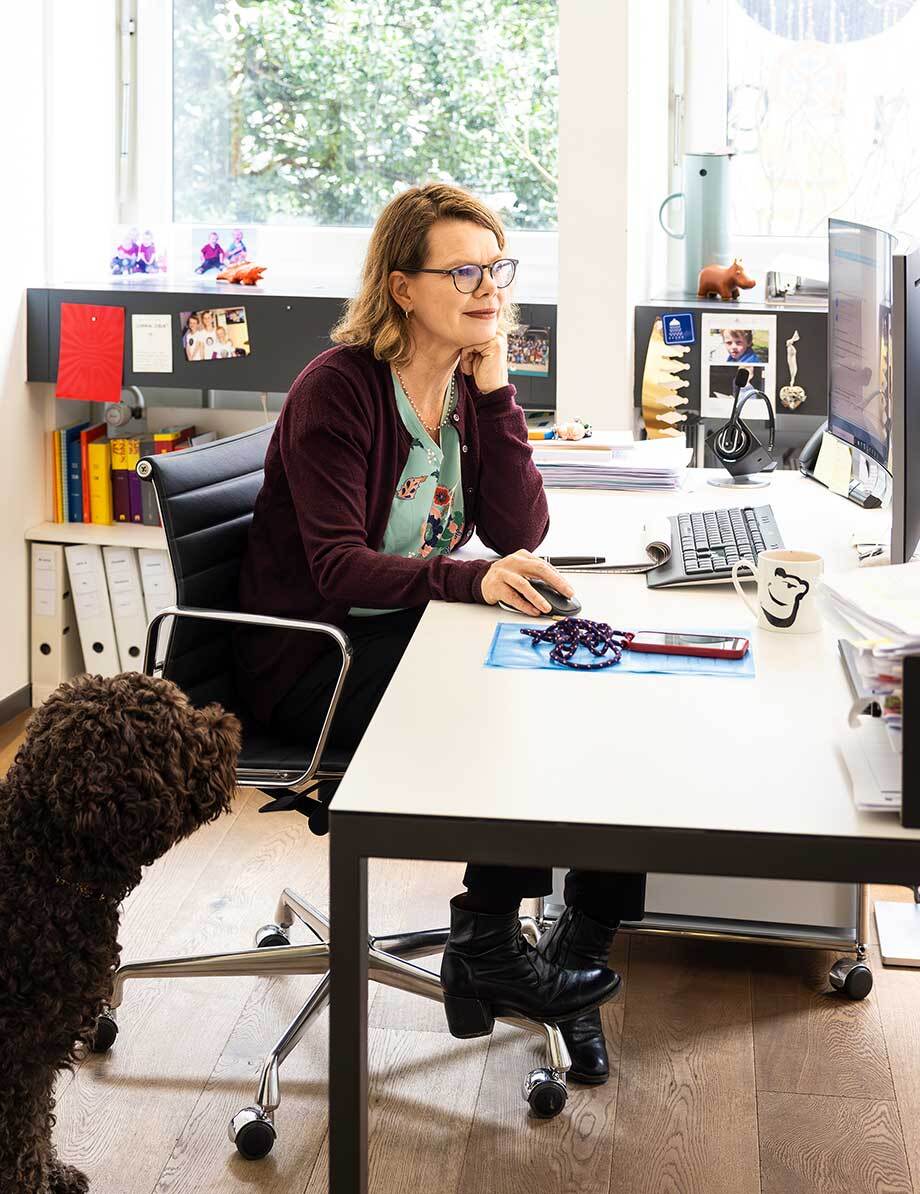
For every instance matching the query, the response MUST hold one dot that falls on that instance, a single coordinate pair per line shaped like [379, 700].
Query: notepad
[511, 649]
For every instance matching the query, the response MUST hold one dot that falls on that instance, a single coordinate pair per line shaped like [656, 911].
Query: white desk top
[454, 738]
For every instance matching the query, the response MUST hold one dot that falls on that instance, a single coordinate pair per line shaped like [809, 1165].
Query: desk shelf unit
[116, 535]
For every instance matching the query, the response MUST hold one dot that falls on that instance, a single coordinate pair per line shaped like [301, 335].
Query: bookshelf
[120, 534]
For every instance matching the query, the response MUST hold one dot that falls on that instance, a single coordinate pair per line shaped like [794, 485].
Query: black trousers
[379, 643]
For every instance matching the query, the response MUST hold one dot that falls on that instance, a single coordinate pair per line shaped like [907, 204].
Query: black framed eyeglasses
[468, 278]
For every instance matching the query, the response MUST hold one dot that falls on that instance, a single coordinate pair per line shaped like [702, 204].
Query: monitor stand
[751, 481]
[862, 495]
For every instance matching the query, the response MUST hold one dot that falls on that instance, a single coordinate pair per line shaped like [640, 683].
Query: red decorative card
[90, 364]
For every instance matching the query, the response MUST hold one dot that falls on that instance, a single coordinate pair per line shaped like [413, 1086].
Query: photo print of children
[215, 334]
[738, 346]
[137, 253]
[528, 351]
[214, 247]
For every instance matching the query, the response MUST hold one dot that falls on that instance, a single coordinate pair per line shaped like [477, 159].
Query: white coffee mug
[787, 582]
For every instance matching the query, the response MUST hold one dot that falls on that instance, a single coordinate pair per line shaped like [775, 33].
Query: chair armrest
[269, 622]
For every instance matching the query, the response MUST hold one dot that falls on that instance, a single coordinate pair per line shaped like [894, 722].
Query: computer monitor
[859, 338]
[905, 407]
[873, 342]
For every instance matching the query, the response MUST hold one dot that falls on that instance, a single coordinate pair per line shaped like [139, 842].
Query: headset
[735, 445]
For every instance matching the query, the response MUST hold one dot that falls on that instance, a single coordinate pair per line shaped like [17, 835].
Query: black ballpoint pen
[574, 561]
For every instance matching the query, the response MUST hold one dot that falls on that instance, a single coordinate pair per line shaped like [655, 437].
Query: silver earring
[406, 312]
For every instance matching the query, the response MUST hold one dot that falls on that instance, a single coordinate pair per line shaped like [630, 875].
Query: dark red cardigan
[331, 469]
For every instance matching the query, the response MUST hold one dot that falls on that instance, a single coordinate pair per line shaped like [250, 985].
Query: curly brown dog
[111, 774]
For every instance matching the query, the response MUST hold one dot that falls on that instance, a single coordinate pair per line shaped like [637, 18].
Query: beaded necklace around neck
[448, 403]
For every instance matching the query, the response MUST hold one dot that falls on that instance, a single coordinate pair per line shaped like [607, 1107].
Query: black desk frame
[356, 836]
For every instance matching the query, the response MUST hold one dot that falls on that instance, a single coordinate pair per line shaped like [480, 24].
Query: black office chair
[206, 497]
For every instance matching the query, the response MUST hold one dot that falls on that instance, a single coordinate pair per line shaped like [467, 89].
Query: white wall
[22, 462]
[613, 128]
[57, 93]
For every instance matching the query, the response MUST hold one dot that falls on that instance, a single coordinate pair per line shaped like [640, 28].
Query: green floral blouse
[426, 517]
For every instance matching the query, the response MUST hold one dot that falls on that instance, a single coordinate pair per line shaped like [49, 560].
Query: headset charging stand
[737, 447]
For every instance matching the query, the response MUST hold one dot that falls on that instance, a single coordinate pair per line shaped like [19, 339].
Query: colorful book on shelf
[87, 436]
[100, 481]
[121, 501]
[74, 472]
[57, 506]
[138, 446]
[170, 439]
[61, 470]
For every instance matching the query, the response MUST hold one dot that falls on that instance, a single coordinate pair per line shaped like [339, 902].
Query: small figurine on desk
[723, 281]
[244, 274]
[573, 429]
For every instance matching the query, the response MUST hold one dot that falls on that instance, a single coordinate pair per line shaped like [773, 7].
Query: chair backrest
[206, 497]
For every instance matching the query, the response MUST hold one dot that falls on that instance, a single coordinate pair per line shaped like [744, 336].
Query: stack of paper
[879, 602]
[645, 464]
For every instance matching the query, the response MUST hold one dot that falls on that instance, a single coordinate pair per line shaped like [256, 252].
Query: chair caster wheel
[253, 1133]
[105, 1034]
[546, 1092]
[271, 935]
[853, 978]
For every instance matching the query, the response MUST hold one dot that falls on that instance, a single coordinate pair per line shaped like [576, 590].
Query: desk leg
[348, 1013]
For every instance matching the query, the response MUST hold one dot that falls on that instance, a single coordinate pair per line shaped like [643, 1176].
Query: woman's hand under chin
[487, 363]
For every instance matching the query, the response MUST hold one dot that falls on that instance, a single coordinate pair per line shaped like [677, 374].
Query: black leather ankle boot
[574, 942]
[489, 970]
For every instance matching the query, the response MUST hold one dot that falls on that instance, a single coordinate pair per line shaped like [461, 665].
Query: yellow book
[57, 510]
[100, 481]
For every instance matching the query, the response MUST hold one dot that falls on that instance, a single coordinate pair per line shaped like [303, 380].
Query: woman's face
[193, 324]
[208, 320]
[439, 310]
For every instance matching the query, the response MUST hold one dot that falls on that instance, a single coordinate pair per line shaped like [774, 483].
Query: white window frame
[325, 258]
[699, 90]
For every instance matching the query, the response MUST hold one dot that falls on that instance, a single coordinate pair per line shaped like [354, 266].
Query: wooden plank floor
[733, 1069]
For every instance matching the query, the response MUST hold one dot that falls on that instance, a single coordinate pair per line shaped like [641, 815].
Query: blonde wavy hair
[400, 240]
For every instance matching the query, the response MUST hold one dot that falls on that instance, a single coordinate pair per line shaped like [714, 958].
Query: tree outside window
[319, 111]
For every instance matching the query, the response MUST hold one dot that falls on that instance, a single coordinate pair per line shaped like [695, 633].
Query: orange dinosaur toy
[724, 281]
[245, 274]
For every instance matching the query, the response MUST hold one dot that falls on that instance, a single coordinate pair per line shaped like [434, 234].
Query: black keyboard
[705, 544]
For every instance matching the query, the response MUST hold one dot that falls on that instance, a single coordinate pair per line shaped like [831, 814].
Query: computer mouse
[560, 607]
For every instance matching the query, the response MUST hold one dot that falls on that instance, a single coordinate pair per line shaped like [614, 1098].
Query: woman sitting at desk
[390, 449]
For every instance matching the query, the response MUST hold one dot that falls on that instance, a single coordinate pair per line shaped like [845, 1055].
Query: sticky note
[835, 464]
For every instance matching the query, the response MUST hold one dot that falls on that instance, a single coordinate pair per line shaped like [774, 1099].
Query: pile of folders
[94, 477]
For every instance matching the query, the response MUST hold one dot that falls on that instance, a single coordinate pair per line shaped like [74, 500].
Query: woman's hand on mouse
[508, 580]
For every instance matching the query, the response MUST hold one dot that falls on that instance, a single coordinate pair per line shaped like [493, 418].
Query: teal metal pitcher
[705, 209]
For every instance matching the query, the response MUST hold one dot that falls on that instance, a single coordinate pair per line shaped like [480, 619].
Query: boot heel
[468, 1017]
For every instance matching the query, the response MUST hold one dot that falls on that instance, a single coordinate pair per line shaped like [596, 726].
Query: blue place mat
[511, 649]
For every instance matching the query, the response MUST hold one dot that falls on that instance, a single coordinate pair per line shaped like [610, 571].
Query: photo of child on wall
[528, 352]
[738, 346]
[215, 334]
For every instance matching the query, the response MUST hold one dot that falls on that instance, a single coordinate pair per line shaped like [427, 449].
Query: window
[823, 105]
[319, 112]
